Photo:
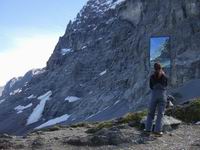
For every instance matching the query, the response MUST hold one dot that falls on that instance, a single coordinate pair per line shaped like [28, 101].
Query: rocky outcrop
[113, 134]
[1, 90]
[15, 85]
[103, 61]
[189, 112]
[169, 123]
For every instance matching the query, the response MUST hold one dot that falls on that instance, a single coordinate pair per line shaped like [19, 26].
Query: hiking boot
[147, 133]
[158, 134]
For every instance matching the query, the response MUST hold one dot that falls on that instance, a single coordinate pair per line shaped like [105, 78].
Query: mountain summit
[100, 67]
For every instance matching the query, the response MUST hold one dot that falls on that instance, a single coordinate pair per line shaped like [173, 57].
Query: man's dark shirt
[162, 80]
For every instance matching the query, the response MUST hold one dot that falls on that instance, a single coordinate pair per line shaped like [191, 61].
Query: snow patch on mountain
[37, 112]
[84, 47]
[105, 5]
[112, 3]
[20, 108]
[1, 101]
[37, 71]
[102, 73]
[99, 6]
[1, 90]
[54, 121]
[65, 51]
[13, 81]
[16, 91]
[71, 99]
[116, 102]
[31, 96]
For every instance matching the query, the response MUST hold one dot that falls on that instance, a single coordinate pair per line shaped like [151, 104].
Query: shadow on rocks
[112, 136]
[195, 145]
[38, 143]
[5, 144]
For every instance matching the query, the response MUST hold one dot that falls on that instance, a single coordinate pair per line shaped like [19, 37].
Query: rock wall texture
[103, 60]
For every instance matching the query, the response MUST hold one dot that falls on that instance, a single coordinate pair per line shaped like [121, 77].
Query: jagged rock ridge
[15, 85]
[103, 61]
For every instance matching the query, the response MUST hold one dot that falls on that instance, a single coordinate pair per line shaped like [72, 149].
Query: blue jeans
[158, 101]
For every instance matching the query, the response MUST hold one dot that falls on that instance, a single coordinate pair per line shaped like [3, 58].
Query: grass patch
[82, 124]
[52, 128]
[189, 113]
[128, 118]
[99, 126]
[132, 117]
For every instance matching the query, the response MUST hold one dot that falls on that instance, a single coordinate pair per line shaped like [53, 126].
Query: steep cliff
[1, 90]
[100, 67]
[15, 85]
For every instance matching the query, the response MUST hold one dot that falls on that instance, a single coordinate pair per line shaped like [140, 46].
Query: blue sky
[29, 31]
[155, 45]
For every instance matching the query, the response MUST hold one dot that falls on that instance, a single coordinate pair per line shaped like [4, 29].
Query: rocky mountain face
[100, 67]
[1, 90]
[15, 85]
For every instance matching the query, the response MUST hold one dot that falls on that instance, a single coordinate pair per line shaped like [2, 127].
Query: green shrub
[52, 128]
[82, 124]
[189, 113]
[107, 124]
[132, 117]
[128, 118]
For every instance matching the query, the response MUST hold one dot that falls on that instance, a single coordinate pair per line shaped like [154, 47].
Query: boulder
[5, 144]
[188, 112]
[77, 141]
[169, 123]
[38, 143]
[112, 136]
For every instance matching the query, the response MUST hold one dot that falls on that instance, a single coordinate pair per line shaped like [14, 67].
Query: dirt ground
[186, 137]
